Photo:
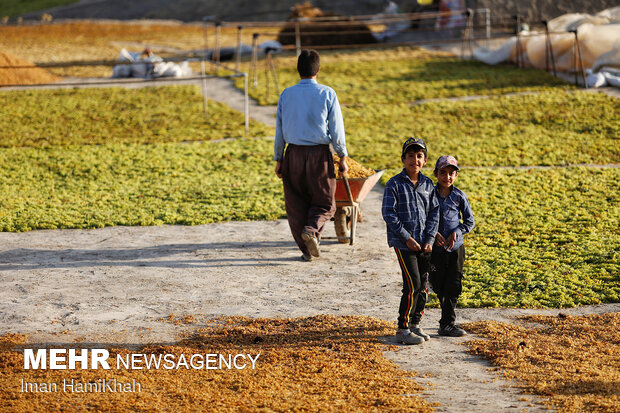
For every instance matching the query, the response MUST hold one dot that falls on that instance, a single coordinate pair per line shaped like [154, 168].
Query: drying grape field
[540, 167]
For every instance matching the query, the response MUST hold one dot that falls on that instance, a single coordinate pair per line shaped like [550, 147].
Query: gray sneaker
[417, 330]
[312, 243]
[406, 337]
[451, 331]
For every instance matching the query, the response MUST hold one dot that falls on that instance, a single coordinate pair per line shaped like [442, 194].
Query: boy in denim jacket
[411, 214]
[448, 252]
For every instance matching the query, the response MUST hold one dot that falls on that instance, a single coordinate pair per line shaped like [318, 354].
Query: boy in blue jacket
[412, 217]
[448, 252]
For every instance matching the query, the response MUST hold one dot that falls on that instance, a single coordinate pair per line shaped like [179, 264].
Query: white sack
[612, 78]
[595, 79]
[599, 42]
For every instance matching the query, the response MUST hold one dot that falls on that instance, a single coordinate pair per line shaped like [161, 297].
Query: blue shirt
[410, 211]
[309, 114]
[452, 208]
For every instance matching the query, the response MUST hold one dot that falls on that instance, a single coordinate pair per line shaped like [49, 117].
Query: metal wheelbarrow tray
[350, 192]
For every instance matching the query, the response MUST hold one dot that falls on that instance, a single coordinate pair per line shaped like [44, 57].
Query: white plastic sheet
[599, 43]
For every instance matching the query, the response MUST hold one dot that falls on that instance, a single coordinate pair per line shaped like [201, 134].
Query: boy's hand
[428, 247]
[279, 169]
[450, 241]
[413, 245]
[440, 241]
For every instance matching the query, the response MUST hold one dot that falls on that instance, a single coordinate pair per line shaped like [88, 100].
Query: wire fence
[420, 28]
[415, 29]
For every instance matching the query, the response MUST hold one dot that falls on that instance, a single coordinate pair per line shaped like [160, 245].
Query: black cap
[411, 142]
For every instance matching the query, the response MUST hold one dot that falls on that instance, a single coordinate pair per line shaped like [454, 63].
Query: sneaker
[417, 330]
[311, 243]
[406, 337]
[306, 257]
[451, 331]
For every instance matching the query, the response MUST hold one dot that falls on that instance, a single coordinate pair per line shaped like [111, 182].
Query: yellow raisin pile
[356, 170]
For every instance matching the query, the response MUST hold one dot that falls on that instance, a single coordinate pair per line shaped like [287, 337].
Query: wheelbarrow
[349, 195]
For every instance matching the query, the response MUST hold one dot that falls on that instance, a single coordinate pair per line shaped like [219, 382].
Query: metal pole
[549, 57]
[470, 39]
[297, 38]
[254, 62]
[206, 20]
[582, 70]
[267, 62]
[487, 14]
[518, 46]
[544, 22]
[206, 40]
[575, 56]
[238, 54]
[552, 57]
[466, 41]
[218, 29]
[246, 104]
[203, 87]
[464, 36]
[275, 75]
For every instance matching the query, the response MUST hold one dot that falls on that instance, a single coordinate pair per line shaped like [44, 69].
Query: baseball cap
[446, 160]
[411, 142]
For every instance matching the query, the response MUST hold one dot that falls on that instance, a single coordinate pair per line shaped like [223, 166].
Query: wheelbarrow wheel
[341, 224]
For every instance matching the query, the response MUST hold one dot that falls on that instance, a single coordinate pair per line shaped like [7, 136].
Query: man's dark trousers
[309, 181]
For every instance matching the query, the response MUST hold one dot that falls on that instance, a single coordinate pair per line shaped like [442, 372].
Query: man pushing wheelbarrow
[308, 120]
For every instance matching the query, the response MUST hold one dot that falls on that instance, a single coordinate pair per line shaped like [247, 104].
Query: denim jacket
[410, 211]
[452, 208]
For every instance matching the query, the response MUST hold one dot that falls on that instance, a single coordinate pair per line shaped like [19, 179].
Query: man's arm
[335, 126]
[278, 146]
[343, 167]
[279, 169]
